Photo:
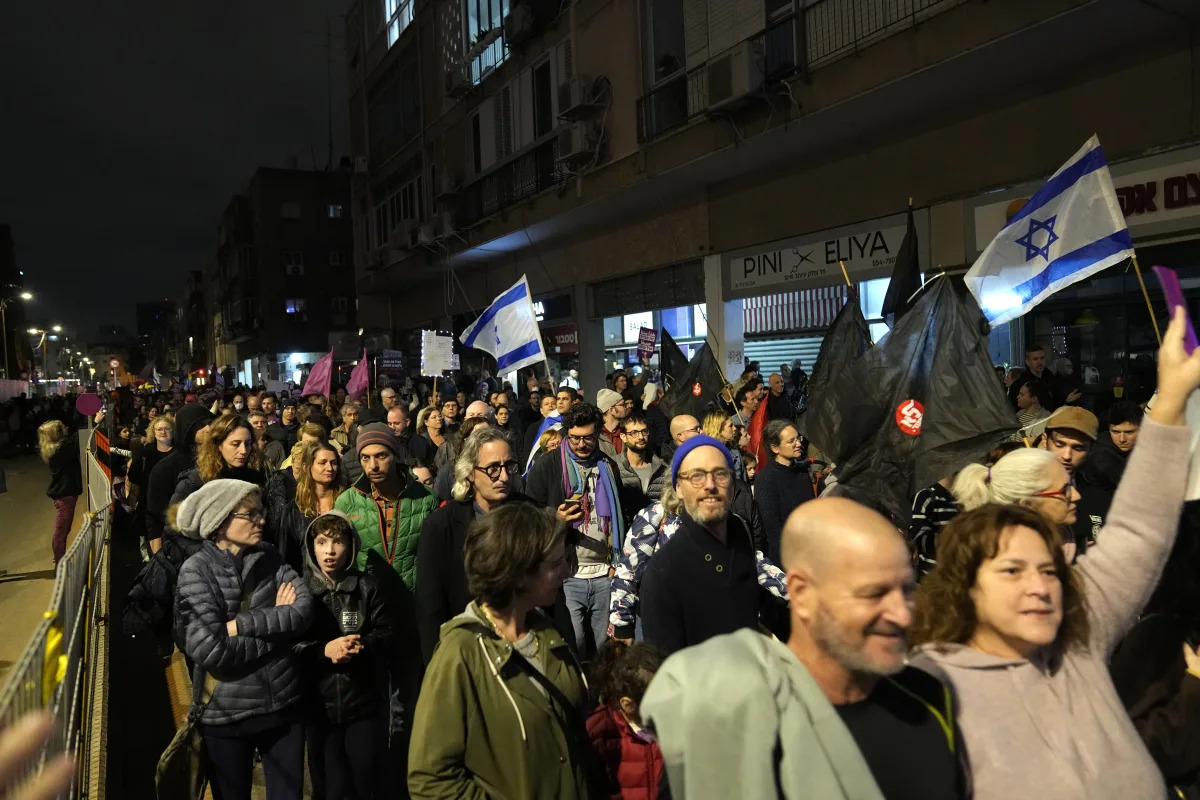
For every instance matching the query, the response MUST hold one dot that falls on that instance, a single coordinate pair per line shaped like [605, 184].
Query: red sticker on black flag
[696, 390]
[909, 415]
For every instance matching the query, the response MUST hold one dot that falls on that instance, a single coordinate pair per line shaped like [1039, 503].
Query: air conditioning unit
[735, 75]
[574, 97]
[518, 25]
[576, 142]
[361, 165]
[426, 235]
[458, 82]
[449, 186]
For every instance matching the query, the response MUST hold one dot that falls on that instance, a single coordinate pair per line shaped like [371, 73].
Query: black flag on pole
[696, 390]
[848, 338]
[906, 277]
[672, 361]
[922, 404]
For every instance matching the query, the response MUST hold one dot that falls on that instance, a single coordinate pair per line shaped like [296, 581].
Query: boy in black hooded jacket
[345, 653]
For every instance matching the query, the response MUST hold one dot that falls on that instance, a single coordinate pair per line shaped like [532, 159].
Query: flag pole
[1149, 307]
[845, 274]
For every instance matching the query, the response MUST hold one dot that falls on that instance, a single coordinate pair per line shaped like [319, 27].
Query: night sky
[128, 126]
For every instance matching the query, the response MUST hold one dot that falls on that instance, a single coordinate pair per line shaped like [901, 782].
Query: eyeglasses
[591, 437]
[1063, 494]
[696, 429]
[251, 516]
[697, 478]
[493, 470]
[641, 432]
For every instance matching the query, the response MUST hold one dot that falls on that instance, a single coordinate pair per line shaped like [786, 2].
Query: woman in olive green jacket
[502, 708]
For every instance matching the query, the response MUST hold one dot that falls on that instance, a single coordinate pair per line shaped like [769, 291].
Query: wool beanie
[699, 440]
[375, 433]
[606, 399]
[208, 507]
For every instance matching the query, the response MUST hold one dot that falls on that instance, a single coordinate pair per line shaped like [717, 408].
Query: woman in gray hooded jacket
[238, 608]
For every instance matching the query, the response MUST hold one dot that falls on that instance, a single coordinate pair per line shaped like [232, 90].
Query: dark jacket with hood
[486, 727]
[353, 603]
[165, 475]
[66, 475]
[256, 672]
[286, 523]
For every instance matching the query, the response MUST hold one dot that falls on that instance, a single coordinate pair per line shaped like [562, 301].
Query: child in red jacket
[628, 754]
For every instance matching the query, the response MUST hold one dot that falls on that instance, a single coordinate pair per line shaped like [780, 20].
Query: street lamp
[45, 355]
[4, 301]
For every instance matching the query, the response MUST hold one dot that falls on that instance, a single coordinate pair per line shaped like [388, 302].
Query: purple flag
[356, 387]
[320, 377]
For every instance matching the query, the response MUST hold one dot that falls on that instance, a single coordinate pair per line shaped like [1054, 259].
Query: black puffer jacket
[149, 604]
[66, 476]
[256, 670]
[286, 523]
[356, 688]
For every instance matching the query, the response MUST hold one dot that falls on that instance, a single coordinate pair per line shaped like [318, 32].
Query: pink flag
[320, 377]
[356, 387]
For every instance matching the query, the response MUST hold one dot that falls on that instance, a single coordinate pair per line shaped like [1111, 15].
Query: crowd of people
[486, 593]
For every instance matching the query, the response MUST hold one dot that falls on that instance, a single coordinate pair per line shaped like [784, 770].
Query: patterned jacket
[651, 528]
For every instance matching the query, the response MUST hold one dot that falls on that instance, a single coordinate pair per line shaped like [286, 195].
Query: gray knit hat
[208, 507]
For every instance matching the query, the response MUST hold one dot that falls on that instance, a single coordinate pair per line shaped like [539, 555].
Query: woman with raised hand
[1024, 637]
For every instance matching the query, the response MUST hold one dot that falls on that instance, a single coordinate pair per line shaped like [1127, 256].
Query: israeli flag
[1069, 230]
[508, 330]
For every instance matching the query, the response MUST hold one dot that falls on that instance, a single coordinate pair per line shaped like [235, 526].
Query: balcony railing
[523, 177]
[812, 37]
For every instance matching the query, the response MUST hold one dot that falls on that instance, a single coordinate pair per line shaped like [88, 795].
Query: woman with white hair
[238, 609]
[60, 450]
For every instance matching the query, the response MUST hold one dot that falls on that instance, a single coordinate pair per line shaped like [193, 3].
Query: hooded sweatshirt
[351, 603]
[1058, 731]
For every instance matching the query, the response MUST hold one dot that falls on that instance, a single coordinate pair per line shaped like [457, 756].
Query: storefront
[791, 290]
[555, 315]
[1101, 324]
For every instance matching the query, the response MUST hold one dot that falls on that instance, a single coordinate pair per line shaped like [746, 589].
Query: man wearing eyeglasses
[683, 427]
[484, 473]
[643, 474]
[704, 582]
[583, 486]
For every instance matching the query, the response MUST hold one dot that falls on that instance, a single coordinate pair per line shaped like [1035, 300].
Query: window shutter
[695, 31]
[732, 21]
[523, 113]
[504, 122]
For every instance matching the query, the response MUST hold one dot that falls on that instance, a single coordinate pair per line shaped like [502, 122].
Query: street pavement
[26, 528]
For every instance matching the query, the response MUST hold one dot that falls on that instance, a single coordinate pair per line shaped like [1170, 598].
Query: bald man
[860, 723]
[683, 427]
[478, 408]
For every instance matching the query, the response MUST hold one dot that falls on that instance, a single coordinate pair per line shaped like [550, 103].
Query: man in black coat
[191, 423]
[441, 590]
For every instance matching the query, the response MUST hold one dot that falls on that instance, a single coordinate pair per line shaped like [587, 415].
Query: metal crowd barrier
[64, 668]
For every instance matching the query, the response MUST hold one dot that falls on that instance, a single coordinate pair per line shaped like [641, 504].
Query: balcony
[516, 180]
[801, 42]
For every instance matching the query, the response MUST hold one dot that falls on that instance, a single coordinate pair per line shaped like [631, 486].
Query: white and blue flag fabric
[1069, 230]
[508, 330]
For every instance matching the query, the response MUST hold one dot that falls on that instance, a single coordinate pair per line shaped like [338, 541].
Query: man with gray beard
[705, 580]
[833, 713]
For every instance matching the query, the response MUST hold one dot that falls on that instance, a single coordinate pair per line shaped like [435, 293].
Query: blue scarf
[608, 501]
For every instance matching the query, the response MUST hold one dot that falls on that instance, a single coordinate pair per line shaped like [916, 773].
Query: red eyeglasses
[1063, 494]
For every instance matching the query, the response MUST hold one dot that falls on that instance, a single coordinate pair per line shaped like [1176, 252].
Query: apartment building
[707, 165]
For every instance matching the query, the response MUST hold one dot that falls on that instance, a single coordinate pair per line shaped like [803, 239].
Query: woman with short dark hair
[502, 708]
[783, 483]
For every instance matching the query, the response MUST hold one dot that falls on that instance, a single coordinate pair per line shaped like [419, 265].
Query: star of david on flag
[508, 330]
[1070, 229]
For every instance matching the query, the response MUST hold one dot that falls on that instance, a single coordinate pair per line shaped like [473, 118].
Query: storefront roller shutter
[665, 287]
[801, 310]
[770, 353]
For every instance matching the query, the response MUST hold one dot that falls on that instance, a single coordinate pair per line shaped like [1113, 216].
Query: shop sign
[1166, 197]
[633, 324]
[561, 340]
[556, 306]
[867, 250]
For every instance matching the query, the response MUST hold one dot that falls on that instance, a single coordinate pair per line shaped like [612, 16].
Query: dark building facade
[280, 287]
[16, 352]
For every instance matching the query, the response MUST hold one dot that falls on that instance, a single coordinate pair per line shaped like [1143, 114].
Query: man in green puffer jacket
[386, 506]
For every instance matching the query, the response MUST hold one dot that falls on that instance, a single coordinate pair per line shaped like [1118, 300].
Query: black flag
[671, 361]
[922, 404]
[695, 391]
[906, 277]
[848, 338]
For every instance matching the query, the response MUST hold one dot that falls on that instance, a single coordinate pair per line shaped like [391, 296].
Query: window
[290, 210]
[336, 211]
[335, 258]
[394, 108]
[340, 304]
[543, 114]
[871, 300]
[483, 17]
[294, 305]
[402, 202]
[399, 13]
[664, 39]
[293, 262]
